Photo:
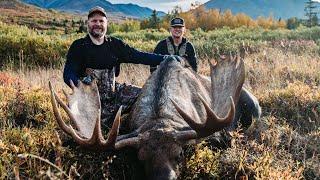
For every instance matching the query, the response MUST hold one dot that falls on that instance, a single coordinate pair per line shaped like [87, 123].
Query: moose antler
[84, 111]
[227, 77]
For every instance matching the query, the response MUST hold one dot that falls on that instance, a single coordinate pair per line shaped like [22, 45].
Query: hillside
[15, 12]
[279, 9]
[82, 6]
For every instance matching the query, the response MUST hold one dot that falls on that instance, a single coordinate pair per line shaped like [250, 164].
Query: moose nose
[164, 174]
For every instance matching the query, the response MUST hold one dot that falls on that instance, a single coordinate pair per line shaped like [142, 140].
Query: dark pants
[124, 95]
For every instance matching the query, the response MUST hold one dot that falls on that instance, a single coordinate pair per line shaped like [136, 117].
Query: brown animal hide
[176, 106]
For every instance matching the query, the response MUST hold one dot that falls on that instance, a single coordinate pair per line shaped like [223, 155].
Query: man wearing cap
[248, 105]
[177, 44]
[99, 56]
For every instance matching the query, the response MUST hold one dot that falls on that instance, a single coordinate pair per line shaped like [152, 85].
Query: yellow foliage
[203, 162]
[212, 19]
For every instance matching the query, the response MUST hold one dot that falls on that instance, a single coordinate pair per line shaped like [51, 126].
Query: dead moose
[176, 106]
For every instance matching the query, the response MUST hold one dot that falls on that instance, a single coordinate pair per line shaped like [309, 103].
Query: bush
[298, 104]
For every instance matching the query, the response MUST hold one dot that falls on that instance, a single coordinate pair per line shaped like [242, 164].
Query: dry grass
[284, 144]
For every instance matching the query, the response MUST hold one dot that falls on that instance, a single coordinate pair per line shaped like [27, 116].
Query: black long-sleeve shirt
[190, 54]
[83, 53]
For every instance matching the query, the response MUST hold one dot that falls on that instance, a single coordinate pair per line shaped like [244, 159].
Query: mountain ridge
[83, 6]
[254, 8]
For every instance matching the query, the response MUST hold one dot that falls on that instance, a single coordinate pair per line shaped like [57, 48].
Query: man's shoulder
[162, 42]
[112, 39]
[80, 41]
[189, 43]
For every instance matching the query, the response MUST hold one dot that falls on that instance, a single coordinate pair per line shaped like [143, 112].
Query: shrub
[298, 104]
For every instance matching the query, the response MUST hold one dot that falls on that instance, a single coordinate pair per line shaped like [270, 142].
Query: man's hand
[179, 58]
[175, 57]
[87, 80]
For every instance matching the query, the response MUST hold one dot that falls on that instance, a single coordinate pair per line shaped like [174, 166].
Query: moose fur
[176, 106]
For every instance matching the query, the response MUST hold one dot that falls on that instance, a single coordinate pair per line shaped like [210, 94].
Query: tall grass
[282, 144]
[23, 46]
[282, 70]
[26, 47]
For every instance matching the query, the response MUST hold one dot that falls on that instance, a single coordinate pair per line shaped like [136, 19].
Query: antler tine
[113, 133]
[186, 135]
[97, 142]
[111, 141]
[212, 124]
[66, 108]
[215, 123]
[186, 117]
[65, 93]
[72, 85]
[133, 142]
[68, 129]
[56, 112]
[82, 141]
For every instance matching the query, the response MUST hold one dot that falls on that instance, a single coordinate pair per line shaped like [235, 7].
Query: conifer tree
[154, 20]
[310, 9]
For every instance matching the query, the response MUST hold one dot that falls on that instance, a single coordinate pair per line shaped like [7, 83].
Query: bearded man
[99, 56]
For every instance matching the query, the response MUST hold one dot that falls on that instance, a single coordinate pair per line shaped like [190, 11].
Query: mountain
[16, 12]
[83, 6]
[254, 8]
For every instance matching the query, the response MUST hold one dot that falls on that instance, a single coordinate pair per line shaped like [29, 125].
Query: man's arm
[73, 64]
[191, 56]
[127, 54]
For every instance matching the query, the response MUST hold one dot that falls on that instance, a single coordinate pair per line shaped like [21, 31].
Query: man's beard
[96, 34]
[176, 37]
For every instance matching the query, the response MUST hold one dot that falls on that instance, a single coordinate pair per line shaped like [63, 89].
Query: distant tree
[154, 20]
[82, 27]
[73, 23]
[176, 11]
[293, 23]
[195, 5]
[129, 26]
[165, 20]
[310, 9]
[280, 24]
[228, 18]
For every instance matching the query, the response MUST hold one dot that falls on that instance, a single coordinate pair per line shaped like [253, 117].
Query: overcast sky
[160, 5]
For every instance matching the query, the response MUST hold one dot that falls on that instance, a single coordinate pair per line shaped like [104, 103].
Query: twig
[44, 160]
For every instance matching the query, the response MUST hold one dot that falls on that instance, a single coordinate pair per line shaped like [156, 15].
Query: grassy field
[282, 70]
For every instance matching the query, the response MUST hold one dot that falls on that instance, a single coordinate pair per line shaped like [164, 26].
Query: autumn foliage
[213, 19]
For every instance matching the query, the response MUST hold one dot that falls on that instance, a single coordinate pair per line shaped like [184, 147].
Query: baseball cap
[177, 22]
[97, 9]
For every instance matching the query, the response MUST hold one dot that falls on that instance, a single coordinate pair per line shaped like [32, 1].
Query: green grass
[30, 48]
[282, 70]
